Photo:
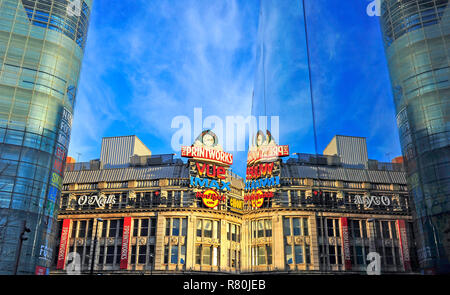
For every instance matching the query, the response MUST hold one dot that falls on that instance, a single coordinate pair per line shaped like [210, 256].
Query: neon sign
[256, 199]
[210, 198]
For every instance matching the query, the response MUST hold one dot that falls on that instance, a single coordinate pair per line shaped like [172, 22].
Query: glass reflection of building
[416, 37]
[41, 48]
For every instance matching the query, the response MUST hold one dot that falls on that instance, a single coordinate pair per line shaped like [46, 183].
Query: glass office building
[416, 36]
[41, 49]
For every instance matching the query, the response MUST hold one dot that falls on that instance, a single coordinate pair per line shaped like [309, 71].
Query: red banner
[125, 243]
[346, 243]
[404, 246]
[63, 244]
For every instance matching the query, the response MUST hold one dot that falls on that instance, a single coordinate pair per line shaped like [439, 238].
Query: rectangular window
[118, 252]
[339, 254]
[207, 228]
[175, 227]
[167, 226]
[298, 254]
[359, 255]
[153, 227]
[174, 255]
[184, 226]
[261, 255]
[215, 256]
[356, 229]
[332, 254]
[393, 230]
[112, 228]
[288, 250]
[389, 256]
[385, 229]
[142, 254]
[183, 254]
[286, 227]
[74, 229]
[268, 224]
[296, 226]
[82, 229]
[233, 232]
[101, 255]
[330, 230]
[144, 228]
[109, 254]
[260, 225]
[206, 256]
[305, 226]
[336, 228]
[364, 228]
[216, 233]
[228, 231]
[199, 228]
[269, 254]
[166, 254]
[307, 254]
[198, 254]
[135, 227]
[133, 255]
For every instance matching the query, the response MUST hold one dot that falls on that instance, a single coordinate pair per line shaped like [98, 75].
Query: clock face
[208, 139]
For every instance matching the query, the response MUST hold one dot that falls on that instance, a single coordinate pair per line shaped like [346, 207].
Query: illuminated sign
[209, 170]
[207, 154]
[368, 201]
[209, 183]
[262, 183]
[101, 200]
[210, 198]
[256, 199]
[259, 170]
[236, 203]
[268, 153]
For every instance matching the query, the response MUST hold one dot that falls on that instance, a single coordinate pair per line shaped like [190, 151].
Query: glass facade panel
[416, 35]
[39, 43]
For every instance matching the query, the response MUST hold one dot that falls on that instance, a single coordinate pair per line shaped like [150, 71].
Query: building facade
[41, 49]
[416, 37]
[168, 216]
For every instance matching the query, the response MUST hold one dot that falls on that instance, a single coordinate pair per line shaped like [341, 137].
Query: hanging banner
[404, 246]
[346, 243]
[63, 244]
[125, 243]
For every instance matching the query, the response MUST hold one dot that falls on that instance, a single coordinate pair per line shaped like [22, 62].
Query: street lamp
[25, 229]
[95, 245]
[153, 263]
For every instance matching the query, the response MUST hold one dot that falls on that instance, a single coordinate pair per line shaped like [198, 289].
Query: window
[82, 230]
[182, 254]
[207, 228]
[144, 227]
[175, 227]
[133, 254]
[286, 227]
[296, 226]
[174, 255]
[268, 225]
[298, 254]
[305, 226]
[109, 254]
[206, 255]
[198, 254]
[112, 228]
[261, 255]
[289, 258]
[260, 225]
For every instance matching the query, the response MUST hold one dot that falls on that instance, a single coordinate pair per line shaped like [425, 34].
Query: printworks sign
[208, 165]
[263, 169]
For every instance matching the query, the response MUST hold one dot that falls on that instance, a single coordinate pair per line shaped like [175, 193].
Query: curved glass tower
[41, 49]
[416, 36]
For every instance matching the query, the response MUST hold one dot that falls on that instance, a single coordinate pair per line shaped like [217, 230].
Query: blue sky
[147, 62]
